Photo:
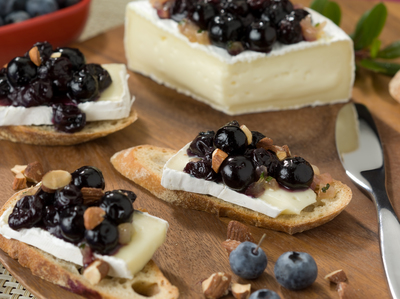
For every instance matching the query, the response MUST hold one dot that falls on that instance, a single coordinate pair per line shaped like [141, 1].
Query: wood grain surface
[193, 251]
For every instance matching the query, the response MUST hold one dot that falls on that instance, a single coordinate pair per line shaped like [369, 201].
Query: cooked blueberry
[225, 28]
[16, 17]
[58, 71]
[27, 212]
[74, 55]
[71, 223]
[99, 73]
[41, 7]
[88, 176]
[289, 30]
[202, 170]
[51, 216]
[47, 198]
[38, 92]
[203, 12]
[266, 158]
[300, 14]
[237, 172]
[83, 87]
[295, 270]
[103, 238]
[45, 50]
[295, 173]
[181, 9]
[257, 136]
[4, 85]
[277, 10]
[131, 195]
[258, 6]
[21, 71]
[236, 7]
[202, 145]
[246, 262]
[68, 118]
[260, 37]
[118, 206]
[231, 140]
[264, 294]
[68, 196]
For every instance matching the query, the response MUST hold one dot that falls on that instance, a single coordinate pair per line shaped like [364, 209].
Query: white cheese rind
[272, 203]
[290, 76]
[149, 234]
[114, 103]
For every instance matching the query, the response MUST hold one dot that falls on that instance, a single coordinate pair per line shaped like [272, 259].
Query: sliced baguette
[47, 135]
[148, 283]
[144, 165]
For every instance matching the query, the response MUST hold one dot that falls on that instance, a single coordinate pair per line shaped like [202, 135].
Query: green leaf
[324, 189]
[332, 11]
[319, 5]
[386, 68]
[369, 26]
[374, 49]
[390, 52]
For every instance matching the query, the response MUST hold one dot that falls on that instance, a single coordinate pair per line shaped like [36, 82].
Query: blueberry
[83, 87]
[38, 92]
[247, 263]
[181, 9]
[264, 294]
[68, 118]
[27, 212]
[16, 17]
[294, 173]
[289, 30]
[48, 198]
[118, 206]
[295, 270]
[72, 224]
[224, 29]
[68, 196]
[1, 21]
[260, 36]
[203, 12]
[257, 136]
[21, 71]
[41, 7]
[59, 71]
[237, 172]
[99, 73]
[88, 176]
[202, 170]
[4, 85]
[45, 50]
[202, 145]
[103, 238]
[231, 139]
[75, 56]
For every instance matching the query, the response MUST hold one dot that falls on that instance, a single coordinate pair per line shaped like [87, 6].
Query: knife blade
[361, 153]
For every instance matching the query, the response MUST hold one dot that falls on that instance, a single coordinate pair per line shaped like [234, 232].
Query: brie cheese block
[271, 203]
[290, 76]
[149, 233]
[114, 103]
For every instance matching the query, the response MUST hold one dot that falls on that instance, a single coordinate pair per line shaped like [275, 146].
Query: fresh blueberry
[16, 17]
[294, 173]
[246, 262]
[264, 294]
[295, 270]
[41, 7]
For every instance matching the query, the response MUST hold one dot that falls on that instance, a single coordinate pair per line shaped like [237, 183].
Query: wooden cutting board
[192, 251]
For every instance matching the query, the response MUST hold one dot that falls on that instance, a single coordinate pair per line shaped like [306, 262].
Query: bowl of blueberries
[24, 22]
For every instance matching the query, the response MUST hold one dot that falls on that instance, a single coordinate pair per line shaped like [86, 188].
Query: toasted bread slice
[144, 165]
[148, 283]
[47, 135]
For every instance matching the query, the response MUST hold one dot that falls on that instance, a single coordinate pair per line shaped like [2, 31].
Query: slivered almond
[34, 55]
[266, 141]
[218, 156]
[18, 169]
[230, 245]
[91, 195]
[92, 217]
[217, 285]
[248, 133]
[19, 182]
[34, 172]
[239, 231]
[241, 291]
[55, 179]
[336, 276]
[96, 271]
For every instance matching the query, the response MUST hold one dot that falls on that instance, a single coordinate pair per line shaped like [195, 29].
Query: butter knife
[361, 153]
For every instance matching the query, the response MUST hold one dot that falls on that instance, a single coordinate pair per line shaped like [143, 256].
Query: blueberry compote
[247, 166]
[237, 25]
[58, 78]
[61, 213]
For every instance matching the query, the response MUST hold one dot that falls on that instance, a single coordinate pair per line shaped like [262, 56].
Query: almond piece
[55, 179]
[394, 87]
[91, 195]
[217, 285]
[265, 142]
[248, 133]
[56, 55]
[34, 172]
[96, 271]
[18, 169]
[19, 182]
[144, 210]
[218, 156]
[230, 245]
[241, 291]
[346, 291]
[336, 276]
[92, 217]
[239, 231]
[34, 55]
[287, 150]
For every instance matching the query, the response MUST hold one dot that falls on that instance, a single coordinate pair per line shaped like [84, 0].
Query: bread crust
[148, 283]
[47, 135]
[144, 165]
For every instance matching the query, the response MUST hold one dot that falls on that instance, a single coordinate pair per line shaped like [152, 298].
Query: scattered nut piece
[34, 172]
[92, 217]
[218, 156]
[394, 87]
[91, 195]
[336, 276]
[55, 179]
[34, 55]
[19, 182]
[217, 285]
[346, 291]
[265, 142]
[125, 231]
[241, 291]
[230, 245]
[239, 231]
[248, 133]
[287, 150]
[96, 271]
[18, 169]
[279, 151]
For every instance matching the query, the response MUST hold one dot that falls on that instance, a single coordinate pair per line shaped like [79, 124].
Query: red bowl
[58, 28]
